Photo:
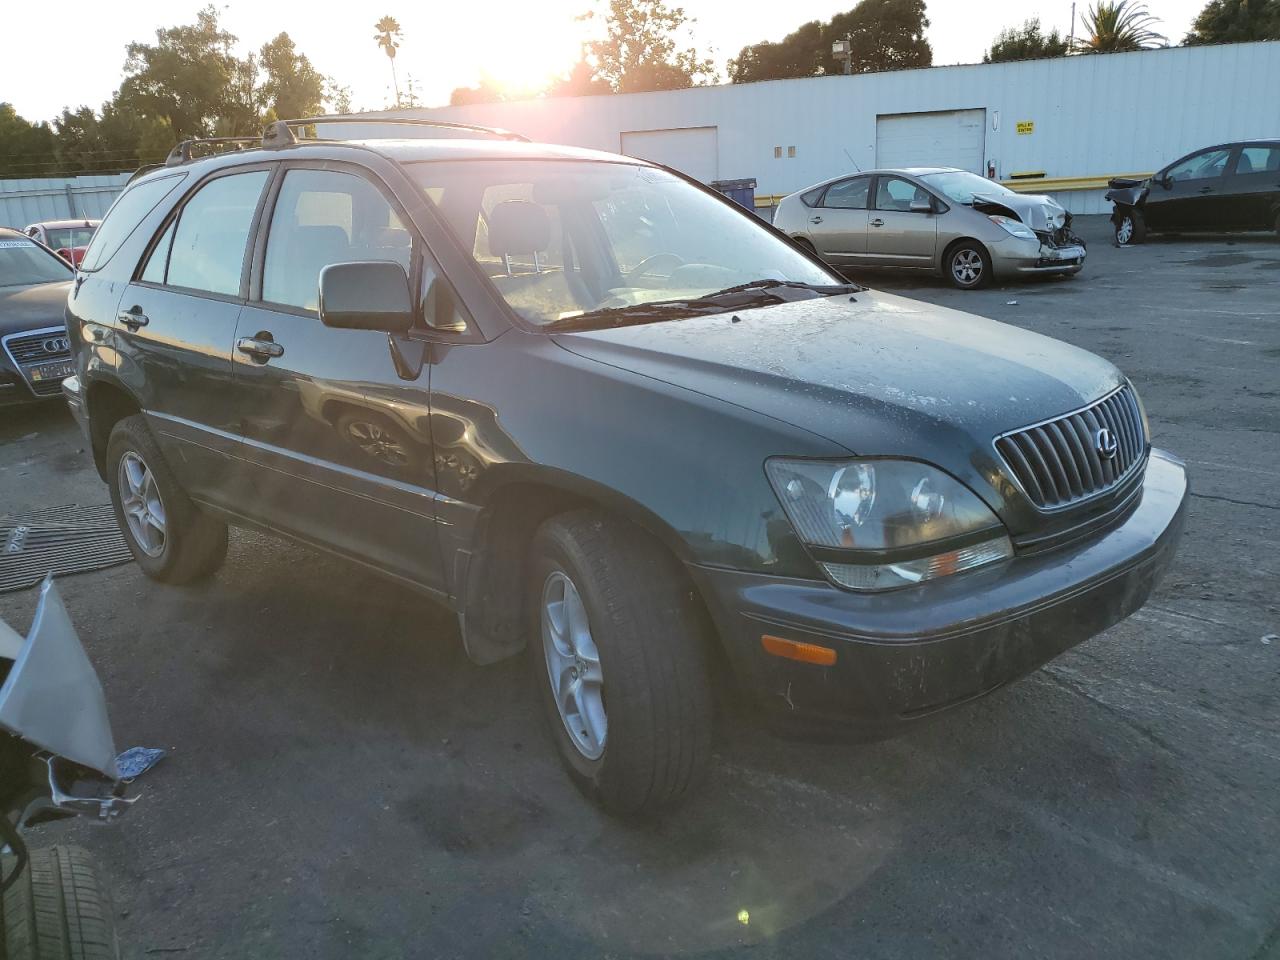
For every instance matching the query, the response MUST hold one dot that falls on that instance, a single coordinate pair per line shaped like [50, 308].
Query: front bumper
[906, 654]
[1024, 257]
[73, 393]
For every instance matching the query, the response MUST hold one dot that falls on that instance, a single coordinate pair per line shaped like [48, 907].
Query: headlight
[1014, 228]
[880, 524]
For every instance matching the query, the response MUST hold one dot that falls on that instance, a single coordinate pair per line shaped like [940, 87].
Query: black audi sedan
[1227, 188]
[34, 354]
[617, 422]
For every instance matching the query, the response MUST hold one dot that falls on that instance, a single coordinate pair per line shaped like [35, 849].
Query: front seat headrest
[518, 226]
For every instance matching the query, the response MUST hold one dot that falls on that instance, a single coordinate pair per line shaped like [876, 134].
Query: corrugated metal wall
[60, 198]
[1091, 115]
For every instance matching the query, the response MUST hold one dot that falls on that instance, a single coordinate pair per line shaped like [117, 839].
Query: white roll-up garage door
[948, 138]
[691, 150]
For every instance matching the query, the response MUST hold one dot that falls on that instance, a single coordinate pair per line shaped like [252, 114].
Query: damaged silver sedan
[963, 227]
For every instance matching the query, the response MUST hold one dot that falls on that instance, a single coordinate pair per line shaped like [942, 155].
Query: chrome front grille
[27, 350]
[1065, 460]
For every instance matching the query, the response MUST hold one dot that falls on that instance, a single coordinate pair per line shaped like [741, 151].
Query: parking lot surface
[344, 783]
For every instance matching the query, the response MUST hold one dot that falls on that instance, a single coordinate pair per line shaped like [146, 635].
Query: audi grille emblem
[56, 345]
[1104, 441]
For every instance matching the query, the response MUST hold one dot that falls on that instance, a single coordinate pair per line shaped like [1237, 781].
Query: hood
[882, 375]
[1038, 211]
[32, 307]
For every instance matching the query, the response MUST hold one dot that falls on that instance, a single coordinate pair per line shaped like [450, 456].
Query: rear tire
[172, 540]
[1130, 228]
[57, 910]
[641, 741]
[968, 265]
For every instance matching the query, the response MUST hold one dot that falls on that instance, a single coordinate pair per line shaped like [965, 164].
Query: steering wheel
[648, 263]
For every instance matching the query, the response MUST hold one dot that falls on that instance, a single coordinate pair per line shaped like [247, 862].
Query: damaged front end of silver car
[57, 753]
[1049, 220]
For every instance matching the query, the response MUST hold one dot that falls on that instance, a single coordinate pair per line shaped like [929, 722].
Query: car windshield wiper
[754, 293]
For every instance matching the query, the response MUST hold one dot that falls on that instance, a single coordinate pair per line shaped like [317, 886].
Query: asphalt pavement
[343, 783]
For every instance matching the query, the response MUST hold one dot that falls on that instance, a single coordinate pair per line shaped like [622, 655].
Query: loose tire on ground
[968, 265]
[647, 629]
[192, 544]
[1130, 228]
[57, 910]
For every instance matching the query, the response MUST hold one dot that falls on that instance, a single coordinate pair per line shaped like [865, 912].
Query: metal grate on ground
[58, 540]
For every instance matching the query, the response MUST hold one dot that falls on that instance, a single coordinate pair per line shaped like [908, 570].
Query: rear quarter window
[129, 210]
[812, 197]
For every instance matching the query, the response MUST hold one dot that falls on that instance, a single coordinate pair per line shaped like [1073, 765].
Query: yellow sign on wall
[1026, 126]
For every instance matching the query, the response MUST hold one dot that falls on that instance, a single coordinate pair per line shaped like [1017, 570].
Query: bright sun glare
[529, 52]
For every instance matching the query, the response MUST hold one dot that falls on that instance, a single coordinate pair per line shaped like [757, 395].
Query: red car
[68, 238]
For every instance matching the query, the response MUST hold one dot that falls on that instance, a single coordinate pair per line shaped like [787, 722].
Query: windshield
[23, 261]
[960, 186]
[563, 238]
[69, 237]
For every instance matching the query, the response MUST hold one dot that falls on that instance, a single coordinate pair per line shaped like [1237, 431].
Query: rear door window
[209, 242]
[1258, 160]
[848, 195]
[129, 210]
[323, 217]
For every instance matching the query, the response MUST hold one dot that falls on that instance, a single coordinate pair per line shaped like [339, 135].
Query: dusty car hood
[1036, 210]
[32, 307]
[881, 376]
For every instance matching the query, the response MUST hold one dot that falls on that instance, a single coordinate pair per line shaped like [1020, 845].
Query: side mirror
[372, 295]
[1166, 181]
[921, 206]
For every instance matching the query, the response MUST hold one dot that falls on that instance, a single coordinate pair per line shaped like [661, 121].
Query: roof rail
[181, 153]
[280, 134]
[407, 121]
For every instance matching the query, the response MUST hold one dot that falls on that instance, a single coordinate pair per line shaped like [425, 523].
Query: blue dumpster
[741, 192]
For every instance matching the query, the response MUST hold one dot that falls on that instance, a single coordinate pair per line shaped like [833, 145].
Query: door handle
[877, 222]
[134, 318]
[1206, 189]
[815, 219]
[261, 348]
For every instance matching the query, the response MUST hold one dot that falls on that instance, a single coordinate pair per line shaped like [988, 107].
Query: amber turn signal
[795, 650]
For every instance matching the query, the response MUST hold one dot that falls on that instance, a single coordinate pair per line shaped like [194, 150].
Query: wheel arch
[108, 401]
[491, 570]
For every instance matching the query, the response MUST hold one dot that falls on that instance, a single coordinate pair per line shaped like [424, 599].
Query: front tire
[616, 653]
[968, 265]
[171, 539]
[57, 910]
[1130, 228]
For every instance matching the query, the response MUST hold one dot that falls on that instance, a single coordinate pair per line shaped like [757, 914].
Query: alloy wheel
[1124, 232]
[142, 505]
[573, 666]
[966, 266]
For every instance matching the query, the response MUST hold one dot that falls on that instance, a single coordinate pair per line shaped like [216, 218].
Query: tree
[639, 52]
[1236, 21]
[26, 148]
[186, 77]
[487, 90]
[581, 82]
[883, 34]
[1118, 27]
[388, 37]
[1026, 42]
[337, 96]
[291, 85]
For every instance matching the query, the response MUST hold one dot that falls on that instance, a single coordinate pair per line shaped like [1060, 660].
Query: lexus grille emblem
[1104, 441]
[56, 345]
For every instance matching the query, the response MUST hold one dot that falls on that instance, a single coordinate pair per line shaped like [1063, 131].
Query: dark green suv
[611, 418]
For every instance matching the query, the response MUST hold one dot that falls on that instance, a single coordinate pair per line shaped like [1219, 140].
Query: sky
[445, 45]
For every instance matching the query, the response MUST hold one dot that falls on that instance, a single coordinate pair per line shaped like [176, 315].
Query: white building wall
[1093, 115]
[58, 198]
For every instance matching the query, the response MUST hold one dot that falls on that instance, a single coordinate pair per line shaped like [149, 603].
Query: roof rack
[279, 133]
[280, 127]
[181, 153]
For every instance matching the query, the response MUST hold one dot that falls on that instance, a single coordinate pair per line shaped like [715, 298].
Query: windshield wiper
[755, 293]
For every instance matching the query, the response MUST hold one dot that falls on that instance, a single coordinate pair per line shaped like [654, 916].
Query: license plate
[52, 371]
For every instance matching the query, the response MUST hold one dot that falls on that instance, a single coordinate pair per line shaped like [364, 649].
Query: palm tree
[1117, 27]
[388, 36]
